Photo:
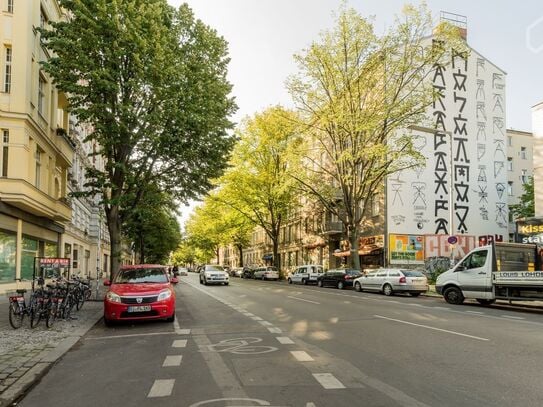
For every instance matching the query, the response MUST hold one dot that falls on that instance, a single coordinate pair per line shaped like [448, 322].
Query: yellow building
[36, 151]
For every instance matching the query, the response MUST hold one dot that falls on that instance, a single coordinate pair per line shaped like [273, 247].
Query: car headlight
[164, 295]
[112, 297]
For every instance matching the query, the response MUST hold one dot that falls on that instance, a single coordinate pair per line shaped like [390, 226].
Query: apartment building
[36, 151]
[537, 128]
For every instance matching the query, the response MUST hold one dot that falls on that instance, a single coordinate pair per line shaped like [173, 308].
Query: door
[297, 276]
[475, 275]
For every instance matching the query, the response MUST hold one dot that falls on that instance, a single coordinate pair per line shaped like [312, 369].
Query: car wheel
[357, 287]
[340, 285]
[263, 278]
[414, 294]
[201, 280]
[108, 322]
[205, 281]
[453, 295]
[319, 283]
[304, 281]
[171, 319]
[226, 283]
[387, 290]
[483, 301]
[289, 281]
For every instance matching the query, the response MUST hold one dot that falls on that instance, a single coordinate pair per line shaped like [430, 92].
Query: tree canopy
[525, 208]
[151, 80]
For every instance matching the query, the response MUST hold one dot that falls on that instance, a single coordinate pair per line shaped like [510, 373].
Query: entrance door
[475, 274]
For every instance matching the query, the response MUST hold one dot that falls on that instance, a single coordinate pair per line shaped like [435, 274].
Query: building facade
[36, 148]
[537, 128]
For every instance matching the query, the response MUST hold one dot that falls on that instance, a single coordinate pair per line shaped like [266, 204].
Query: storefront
[370, 252]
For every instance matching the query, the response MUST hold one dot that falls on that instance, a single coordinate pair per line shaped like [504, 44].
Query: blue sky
[264, 34]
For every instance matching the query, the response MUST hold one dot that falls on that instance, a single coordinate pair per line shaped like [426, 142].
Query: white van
[266, 273]
[306, 274]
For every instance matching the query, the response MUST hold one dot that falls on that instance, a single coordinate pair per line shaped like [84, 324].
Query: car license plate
[139, 308]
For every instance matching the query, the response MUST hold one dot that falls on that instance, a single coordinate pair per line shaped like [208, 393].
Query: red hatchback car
[139, 292]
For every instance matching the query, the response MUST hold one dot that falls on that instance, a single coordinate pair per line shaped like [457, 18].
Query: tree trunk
[240, 249]
[142, 249]
[353, 239]
[276, 260]
[114, 227]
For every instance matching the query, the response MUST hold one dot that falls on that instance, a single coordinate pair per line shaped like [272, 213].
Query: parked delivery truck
[501, 271]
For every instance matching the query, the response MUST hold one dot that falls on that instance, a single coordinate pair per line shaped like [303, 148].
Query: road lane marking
[328, 381]
[285, 340]
[255, 318]
[512, 317]
[301, 299]
[432, 328]
[475, 312]
[275, 330]
[162, 388]
[265, 323]
[129, 335]
[301, 356]
[179, 343]
[172, 360]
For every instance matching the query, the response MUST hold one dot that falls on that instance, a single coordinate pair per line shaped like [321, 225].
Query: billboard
[406, 249]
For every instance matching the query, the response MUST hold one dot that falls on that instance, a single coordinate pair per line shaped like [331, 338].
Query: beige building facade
[537, 128]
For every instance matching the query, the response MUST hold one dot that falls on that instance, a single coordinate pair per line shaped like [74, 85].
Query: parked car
[247, 272]
[339, 278]
[183, 271]
[390, 281]
[140, 291]
[266, 273]
[213, 274]
[305, 274]
[236, 272]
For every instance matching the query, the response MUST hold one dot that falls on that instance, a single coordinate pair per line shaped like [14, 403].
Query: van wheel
[263, 278]
[289, 281]
[483, 301]
[357, 287]
[387, 290]
[319, 283]
[304, 281]
[453, 295]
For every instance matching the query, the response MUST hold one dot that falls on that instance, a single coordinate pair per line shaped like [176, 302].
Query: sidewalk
[26, 354]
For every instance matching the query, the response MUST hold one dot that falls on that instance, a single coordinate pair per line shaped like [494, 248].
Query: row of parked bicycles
[48, 302]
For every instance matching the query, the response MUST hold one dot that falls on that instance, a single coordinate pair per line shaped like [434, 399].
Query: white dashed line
[475, 312]
[162, 388]
[255, 318]
[179, 343]
[285, 340]
[178, 329]
[301, 299]
[275, 330]
[512, 317]
[301, 356]
[432, 328]
[172, 360]
[265, 323]
[328, 381]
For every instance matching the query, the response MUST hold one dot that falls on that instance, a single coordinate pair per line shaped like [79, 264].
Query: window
[510, 163]
[5, 152]
[41, 94]
[74, 258]
[509, 141]
[523, 153]
[7, 69]
[10, 6]
[37, 174]
[8, 248]
[476, 260]
[524, 177]
[43, 19]
[510, 188]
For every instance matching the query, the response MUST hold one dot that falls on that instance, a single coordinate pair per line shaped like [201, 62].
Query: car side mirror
[174, 280]
[107, 283]
[461, 267]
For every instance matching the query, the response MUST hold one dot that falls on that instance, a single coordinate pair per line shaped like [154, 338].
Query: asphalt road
[259, 343]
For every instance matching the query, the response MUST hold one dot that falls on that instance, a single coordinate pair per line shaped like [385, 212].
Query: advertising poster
[406, 249]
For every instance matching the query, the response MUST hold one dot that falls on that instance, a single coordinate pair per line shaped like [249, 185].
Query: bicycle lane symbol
[242, 400]
[239, 346]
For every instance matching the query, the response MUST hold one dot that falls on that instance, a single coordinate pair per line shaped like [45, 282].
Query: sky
[263, 35]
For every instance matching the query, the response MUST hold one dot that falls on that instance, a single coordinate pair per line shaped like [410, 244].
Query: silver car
[390, 281]
[212, 274]
[266, 273]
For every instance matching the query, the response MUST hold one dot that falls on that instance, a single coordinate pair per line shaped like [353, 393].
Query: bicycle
[17, 307]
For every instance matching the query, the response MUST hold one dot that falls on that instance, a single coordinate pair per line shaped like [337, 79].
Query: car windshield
[142, 275]
[214, 268]
[412, 273]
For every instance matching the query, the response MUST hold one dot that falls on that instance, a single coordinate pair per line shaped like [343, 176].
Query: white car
[212, 274]
[266, 273]
[306, 274]
[390, 281]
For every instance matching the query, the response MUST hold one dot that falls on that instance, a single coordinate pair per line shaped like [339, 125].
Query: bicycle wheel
[16, 315]
[35, 312]
[51, 315]
[80, 299]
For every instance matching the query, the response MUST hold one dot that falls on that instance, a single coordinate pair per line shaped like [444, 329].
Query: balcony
[27, 197]
[332, 228]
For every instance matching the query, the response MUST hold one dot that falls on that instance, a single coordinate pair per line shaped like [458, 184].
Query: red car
[138, 292]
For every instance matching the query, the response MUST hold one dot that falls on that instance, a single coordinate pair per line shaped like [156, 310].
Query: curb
[46, 360]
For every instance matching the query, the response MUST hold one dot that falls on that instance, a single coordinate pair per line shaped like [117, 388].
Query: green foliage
[358, 94]
[526, 206]
[151, 80]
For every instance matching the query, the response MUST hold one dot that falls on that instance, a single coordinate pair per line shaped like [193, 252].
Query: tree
[257, 185]
[151, 80]
[357, 93]
[153, 226]
[526, 207]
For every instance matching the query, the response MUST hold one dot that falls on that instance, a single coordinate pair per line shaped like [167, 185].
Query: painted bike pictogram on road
[239, 346]
[227, 403]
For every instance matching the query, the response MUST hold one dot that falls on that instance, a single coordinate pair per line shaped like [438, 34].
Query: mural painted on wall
[406, 249]
[465, 157]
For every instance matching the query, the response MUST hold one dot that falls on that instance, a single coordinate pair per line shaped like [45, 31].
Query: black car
[339, 278]
[247, 272]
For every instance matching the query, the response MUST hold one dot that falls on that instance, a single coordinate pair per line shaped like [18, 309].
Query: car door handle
[482, 272]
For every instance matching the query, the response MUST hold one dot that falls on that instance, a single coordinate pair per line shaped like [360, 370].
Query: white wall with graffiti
[471, 172]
